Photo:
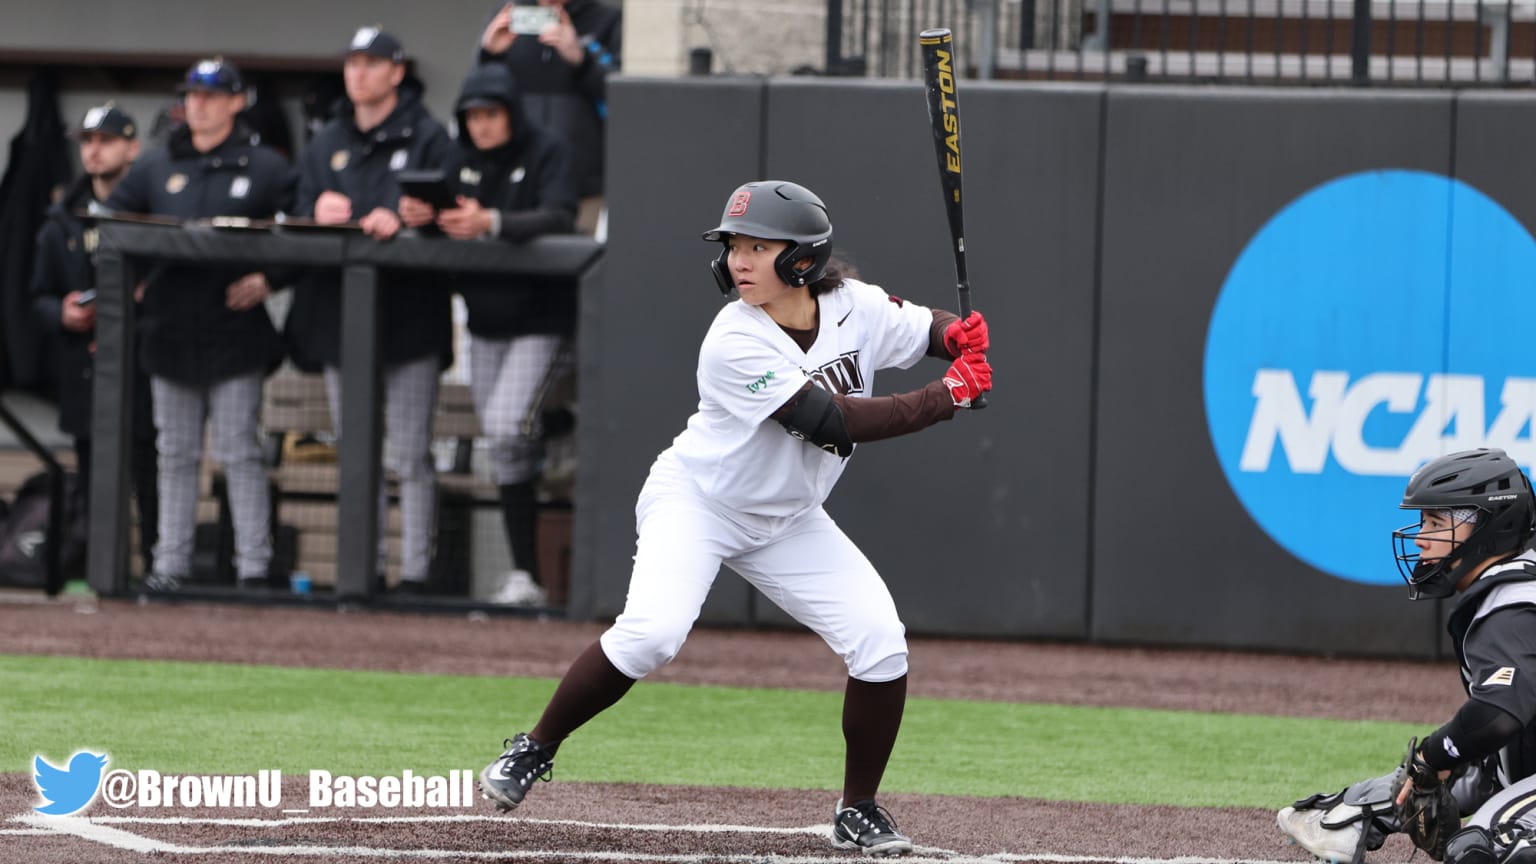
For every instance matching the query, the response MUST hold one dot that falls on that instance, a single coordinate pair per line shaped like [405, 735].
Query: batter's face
[104, 155]
[751, 265]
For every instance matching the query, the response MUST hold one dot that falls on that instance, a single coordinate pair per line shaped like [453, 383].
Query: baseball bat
[938, 47]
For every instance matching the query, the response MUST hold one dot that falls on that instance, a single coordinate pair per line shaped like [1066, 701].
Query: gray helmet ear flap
[722, 271]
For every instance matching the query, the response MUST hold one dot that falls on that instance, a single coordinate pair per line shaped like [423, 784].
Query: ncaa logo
[1378, 321]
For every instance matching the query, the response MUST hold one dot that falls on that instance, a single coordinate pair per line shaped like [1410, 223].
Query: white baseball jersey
[749, 367]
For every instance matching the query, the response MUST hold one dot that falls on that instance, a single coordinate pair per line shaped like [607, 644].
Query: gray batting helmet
[776, 210]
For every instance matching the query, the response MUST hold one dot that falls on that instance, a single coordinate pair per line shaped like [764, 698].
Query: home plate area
[599, 823]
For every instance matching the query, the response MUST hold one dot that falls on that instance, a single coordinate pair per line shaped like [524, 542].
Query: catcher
[1474, 537]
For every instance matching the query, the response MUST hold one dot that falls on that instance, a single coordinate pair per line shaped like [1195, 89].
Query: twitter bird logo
[68, 790]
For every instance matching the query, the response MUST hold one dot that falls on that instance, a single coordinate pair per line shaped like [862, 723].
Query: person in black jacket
[348, 173]
[63, 288]
[514, 183]
[207, 339]
[562, 75]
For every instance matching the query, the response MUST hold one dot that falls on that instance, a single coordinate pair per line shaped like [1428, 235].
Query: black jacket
[188, 333]
[65, 261]
[569, 100]
[529, 182]
[417, 316]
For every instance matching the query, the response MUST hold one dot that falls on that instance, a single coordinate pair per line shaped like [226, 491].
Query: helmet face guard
[1428, 580]
[1492, 486]
[776, 210]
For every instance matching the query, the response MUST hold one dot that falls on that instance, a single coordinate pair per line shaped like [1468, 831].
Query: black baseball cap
[108, 119]
[374, 42]
[213, 74]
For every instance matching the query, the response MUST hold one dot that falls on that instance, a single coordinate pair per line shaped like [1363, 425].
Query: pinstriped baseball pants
[505, 377]
[233, 407]
[410, 397]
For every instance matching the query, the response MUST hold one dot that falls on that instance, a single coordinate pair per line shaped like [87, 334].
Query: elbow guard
[814, 417]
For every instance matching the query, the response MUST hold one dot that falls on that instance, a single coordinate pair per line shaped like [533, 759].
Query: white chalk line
[100, 830]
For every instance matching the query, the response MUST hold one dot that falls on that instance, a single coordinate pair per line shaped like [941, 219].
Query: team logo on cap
[175, 183]
[94, 118]
[364, 37]
[339, 160]
[739, 203]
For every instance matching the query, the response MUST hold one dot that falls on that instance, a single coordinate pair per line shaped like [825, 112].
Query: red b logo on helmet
[739, 203]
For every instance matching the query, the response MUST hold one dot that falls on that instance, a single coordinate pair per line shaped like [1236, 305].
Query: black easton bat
[938, 47]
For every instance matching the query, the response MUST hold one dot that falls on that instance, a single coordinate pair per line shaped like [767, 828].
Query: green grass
[212, 718]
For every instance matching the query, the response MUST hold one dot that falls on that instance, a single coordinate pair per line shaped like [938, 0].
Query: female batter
[785, 375]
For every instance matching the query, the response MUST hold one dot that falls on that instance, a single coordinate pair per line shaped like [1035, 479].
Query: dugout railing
[359, 259]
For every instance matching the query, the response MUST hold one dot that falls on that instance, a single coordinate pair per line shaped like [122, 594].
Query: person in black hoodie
[562, 75]
[207, 338]
[63, 287]
[514, 183]
[348, 173]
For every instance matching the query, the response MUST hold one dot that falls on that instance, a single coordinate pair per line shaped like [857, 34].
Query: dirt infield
[606, 822]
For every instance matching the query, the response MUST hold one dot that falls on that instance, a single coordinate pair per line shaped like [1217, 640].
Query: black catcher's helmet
[776, 210]
[1485, 480]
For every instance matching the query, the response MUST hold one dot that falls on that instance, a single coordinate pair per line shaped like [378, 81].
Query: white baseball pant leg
[812, 571]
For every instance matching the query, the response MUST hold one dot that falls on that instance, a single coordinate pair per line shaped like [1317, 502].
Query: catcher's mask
[776, 210]
[1483, 487]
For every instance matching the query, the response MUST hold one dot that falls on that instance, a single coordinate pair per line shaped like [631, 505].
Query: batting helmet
[776, 210]
[1485, 481]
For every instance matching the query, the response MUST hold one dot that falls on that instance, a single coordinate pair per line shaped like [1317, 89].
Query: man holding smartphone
[561, 66]
[63, 288]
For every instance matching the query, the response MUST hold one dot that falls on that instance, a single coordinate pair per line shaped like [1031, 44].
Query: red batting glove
[968, 336]
[968, 377]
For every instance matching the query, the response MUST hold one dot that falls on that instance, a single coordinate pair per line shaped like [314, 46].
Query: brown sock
[588, 688]
[871, 719]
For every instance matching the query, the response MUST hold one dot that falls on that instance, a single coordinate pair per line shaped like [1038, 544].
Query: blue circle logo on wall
[1378, 321]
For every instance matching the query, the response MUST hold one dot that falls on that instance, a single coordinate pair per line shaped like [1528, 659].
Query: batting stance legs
[805, 564]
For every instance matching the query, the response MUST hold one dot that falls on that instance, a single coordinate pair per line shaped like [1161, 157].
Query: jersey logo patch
[897, 300]
[761, 382]
[1504, 676]
[841, 375]
[240, 187]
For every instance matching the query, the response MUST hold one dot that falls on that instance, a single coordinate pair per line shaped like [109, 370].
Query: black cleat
[868, 827]
[506, 780]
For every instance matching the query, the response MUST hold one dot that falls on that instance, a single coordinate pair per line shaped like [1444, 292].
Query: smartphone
[531, 20]
[86, 298]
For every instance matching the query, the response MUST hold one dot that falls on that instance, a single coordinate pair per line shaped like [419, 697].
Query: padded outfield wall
[1228, 323]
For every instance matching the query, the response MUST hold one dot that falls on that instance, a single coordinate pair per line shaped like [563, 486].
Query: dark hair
[838, 269]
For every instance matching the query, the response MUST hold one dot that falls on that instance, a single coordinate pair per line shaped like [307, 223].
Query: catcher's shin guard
[1470, 845]
[1366, 805]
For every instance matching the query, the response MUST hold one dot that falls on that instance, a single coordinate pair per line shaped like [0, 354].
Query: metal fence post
[112, 424]
[357, 495]
[1360, 44]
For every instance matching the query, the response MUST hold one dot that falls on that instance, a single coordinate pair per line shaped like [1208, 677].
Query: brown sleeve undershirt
[941, 322]
[874, 418]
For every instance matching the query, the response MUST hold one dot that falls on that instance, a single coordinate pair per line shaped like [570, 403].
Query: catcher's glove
[1429, 815]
